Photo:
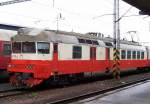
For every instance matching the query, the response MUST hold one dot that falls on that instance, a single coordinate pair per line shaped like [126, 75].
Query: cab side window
[43, 48]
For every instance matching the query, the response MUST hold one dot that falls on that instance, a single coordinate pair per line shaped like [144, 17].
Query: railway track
[6, 90]
[98, 92]
[11, 93]
[69, 94]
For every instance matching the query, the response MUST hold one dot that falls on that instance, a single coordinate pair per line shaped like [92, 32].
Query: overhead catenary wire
[65, 12]
[48, 6]
[124, 14]
[12, 2]
[21, 15]
[58, 9]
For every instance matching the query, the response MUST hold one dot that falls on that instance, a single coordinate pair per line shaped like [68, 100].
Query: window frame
[123, 56]
[47, 52]
[28, 52]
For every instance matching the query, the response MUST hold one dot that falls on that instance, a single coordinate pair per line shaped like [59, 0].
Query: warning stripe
[116, 64]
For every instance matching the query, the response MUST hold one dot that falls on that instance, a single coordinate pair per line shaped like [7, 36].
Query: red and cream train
[41, 55]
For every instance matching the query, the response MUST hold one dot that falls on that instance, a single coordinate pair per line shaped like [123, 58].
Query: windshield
[28, 47]
[43, 47]
[23, 47]
[16, 47]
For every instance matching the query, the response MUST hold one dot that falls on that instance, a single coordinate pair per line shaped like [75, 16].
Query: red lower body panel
[4, 60]
[44, 69]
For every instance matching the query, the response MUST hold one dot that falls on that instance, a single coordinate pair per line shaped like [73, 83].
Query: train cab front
[29, 63]
[5, 52]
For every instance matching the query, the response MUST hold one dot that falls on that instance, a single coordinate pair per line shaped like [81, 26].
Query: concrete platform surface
[139, 94]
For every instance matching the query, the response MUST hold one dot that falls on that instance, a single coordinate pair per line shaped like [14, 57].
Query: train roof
[29, 34]
[132, 47]
[42, 35]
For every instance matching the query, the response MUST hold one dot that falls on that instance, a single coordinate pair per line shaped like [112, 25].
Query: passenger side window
[43, 47]
[77, 52]
[142, 55]
[133, 54]
[138, 54]
[123, 54]
[128, 54]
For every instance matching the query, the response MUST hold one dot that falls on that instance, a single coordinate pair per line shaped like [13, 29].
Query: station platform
[136, 94]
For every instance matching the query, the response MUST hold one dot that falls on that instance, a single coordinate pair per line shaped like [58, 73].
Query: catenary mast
[116, 36]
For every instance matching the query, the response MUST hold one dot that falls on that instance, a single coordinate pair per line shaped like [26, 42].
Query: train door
[7, 49]
[55, 55]
[92, 55]
[108, 57]
[107, 54]
[5, 54]
[55, 50]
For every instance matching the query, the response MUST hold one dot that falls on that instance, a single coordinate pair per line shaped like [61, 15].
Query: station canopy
[142, 5]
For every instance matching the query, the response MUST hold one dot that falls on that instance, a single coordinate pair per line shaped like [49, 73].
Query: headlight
[11, 66]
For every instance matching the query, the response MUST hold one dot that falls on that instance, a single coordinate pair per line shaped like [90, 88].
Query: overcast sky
[77, 15]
